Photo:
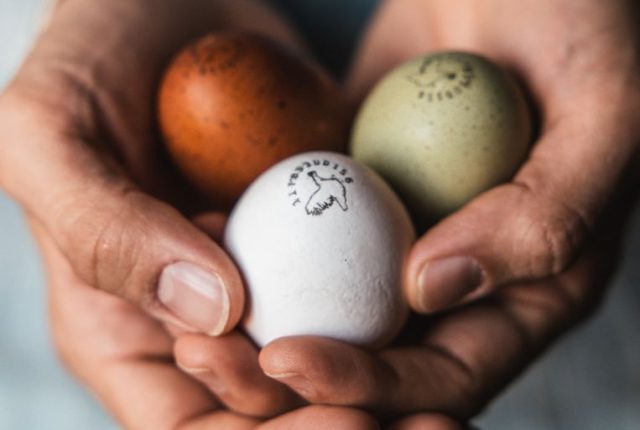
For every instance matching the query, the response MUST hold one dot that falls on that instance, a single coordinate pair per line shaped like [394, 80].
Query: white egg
[320, 240]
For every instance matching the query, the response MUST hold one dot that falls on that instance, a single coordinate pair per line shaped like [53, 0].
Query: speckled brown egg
[232, 104]
[442, 128]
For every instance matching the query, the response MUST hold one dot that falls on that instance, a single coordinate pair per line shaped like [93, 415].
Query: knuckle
[556, 245]
[550, 237]
[111, 248]
[109, 243]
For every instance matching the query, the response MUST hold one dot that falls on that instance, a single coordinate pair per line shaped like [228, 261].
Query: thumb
[116, 237]
[529, 229]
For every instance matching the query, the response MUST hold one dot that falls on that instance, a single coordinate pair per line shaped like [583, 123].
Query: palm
[91, 83]
[112, 113]
[474, 351]
[126, 358]
[457, 360]
[454, 362]
[115, 348]
[108, 83]
[449, 362]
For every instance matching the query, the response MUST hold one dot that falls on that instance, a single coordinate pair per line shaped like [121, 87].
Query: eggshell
[234, 103]
[320, 240]
[442, 128]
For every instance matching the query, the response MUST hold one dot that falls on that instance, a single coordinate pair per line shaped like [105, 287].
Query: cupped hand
[520, 264]
[127, 360]
[579, 60]
[79, 153]
[78, 150]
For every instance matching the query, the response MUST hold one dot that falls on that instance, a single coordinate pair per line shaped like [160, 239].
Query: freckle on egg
[487, 111]
[225, 90]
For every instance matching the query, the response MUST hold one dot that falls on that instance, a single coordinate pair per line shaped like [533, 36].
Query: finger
[466, 357]
[426, 422]
[307, 418]
[533, 227]
[228, 366]
[123, 241]
[396, 382]
[219, 420]
[324, 370]
[123, 355]
[318, 417]
[212, 223]
[117, 238]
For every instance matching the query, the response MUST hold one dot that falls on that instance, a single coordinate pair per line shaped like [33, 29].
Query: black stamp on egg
[318, 185]
[442, 77]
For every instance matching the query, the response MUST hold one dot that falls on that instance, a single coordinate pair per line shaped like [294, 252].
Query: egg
[442, 128]
[320, 240]
[234, 103]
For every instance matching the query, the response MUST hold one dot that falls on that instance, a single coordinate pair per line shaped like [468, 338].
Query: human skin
[502, 278]
[545, 243]
[524, 236]
[124, 356]
[522, 263]
[79, 153]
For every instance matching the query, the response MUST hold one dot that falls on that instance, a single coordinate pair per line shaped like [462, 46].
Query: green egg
[442, 128]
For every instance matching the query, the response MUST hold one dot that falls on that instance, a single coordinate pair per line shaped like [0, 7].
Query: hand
[523, 262]
[126, 358]
[230, 374]
[229, 367]
[79, 152]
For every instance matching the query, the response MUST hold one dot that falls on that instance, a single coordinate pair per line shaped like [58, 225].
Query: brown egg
[232, 104]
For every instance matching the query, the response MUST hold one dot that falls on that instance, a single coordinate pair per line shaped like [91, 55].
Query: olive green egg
[442, 128]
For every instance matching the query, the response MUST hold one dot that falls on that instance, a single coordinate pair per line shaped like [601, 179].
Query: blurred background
[589, 381]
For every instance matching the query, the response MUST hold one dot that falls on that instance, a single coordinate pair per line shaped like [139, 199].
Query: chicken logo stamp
[319, 185]
[442, 77]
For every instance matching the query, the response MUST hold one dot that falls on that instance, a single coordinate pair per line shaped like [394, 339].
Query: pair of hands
[509, 272]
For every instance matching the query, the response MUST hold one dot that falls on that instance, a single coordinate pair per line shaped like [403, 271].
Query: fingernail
[207, 376]
[444, 283]
[297, 382]
[195, 296]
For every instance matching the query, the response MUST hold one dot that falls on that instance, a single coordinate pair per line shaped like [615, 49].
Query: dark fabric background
[331, 28]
